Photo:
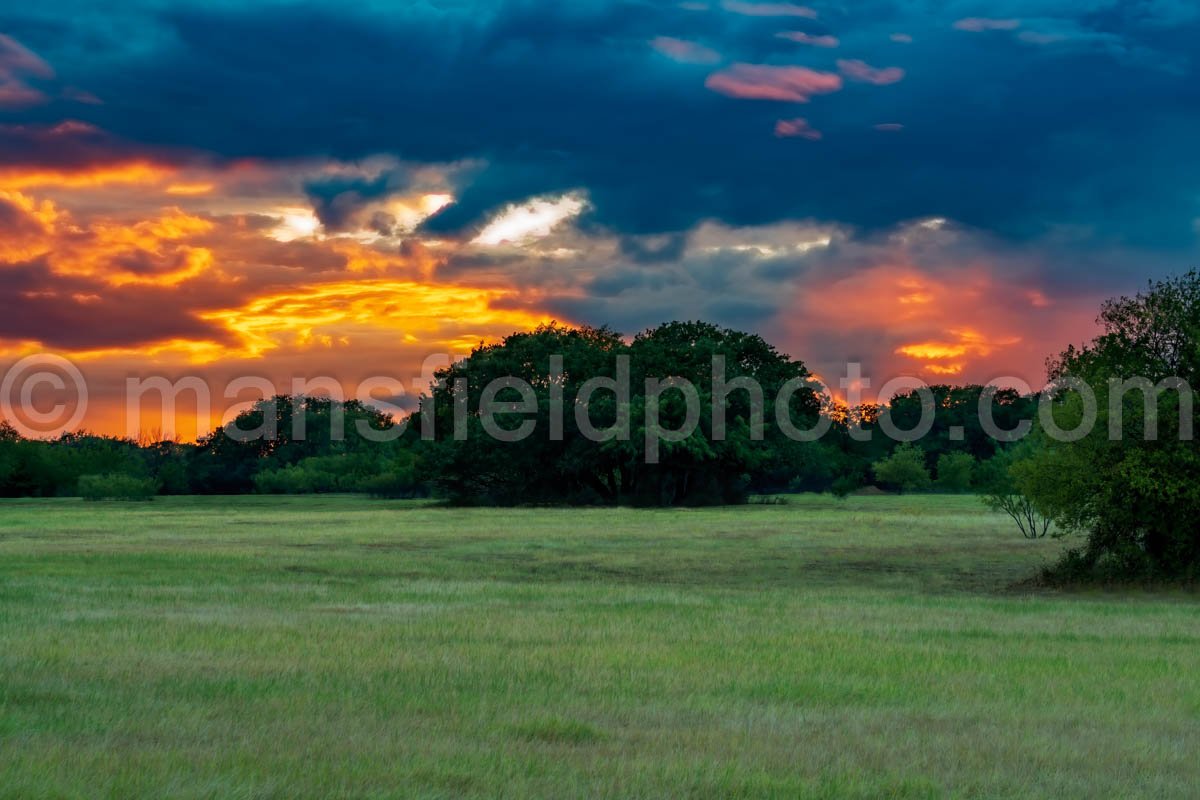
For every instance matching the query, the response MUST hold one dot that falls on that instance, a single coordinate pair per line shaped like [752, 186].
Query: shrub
[391, 485]
[116, 486]
[292, 479]
[1000, 492]
[954, 471]
[904, 469]
[845, 485]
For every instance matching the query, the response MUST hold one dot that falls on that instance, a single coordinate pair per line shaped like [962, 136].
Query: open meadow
[264, 647]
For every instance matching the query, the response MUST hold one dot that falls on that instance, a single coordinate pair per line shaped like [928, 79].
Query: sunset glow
[727, 179]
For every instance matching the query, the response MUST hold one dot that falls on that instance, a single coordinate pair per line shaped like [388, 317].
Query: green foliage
[117, 486]
[385, 471]
[53, 468]
[1135, 499]
[8, 433]
[698, 469]
[904, 470]
[845, 485]
[278, 433]
[957, 424]
[955, 472]
[999, 489]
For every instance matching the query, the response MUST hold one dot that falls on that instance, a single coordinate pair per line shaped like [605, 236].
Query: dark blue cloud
[336, 200]
[1082, 118]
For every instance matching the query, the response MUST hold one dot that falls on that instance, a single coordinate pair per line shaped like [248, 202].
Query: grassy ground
[339, 647]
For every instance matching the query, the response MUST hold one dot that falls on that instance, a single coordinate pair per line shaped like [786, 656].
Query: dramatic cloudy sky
[944, 189]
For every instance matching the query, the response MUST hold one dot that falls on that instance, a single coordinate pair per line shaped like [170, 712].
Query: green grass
[339, 647]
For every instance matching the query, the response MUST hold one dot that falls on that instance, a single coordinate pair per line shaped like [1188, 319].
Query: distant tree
[275, 433]
[954, 472]
[904, 469]
[957, 425]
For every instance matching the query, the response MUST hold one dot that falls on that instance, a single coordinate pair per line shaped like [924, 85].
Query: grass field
[340, 647]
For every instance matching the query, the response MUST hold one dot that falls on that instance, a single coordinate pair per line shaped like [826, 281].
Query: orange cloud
[971, 323]
[444, 318]
[190, 189]
[943, 357]
[140, 172]
[128, 288]
[149, 251]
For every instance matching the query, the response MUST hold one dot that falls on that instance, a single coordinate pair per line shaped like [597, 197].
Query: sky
[288, 190]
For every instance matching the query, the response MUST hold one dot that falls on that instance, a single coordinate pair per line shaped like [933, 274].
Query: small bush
[845, 485]
[954, 472]
[293, 479]
[117, 486]
[904, 469]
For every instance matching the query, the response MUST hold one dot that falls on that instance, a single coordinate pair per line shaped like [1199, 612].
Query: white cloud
[522, 223]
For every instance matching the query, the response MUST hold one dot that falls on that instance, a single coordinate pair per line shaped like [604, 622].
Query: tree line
[302, 444]
[1133, 499]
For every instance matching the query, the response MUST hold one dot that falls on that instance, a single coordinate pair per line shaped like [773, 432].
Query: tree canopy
[1128, 484]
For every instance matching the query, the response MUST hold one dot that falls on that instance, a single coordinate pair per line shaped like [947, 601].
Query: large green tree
[1128, 482]
[597, 451]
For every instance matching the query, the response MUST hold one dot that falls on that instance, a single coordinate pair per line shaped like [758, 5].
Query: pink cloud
[889, 126]
[902, 38]
[80, 96]
[684, 51]
[16, 57]
[768, 9]
[763, 82]
[805, 38]
[798, 127]
[16, 62]
[1033, 37]
[977, 24]
[865, 73]
[14, 95]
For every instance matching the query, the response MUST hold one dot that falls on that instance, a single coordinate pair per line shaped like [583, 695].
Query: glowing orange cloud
[138, 172]
[341, 314]
[968, 324]
[150, 251]
[190, 189]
